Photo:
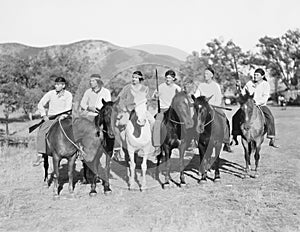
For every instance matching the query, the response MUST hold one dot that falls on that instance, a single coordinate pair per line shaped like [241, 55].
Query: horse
[253, 130]
[97, 138]
[137, 138]
[176, 132]
[209, 125]
[59, 145]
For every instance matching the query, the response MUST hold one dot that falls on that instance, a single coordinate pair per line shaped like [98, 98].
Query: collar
[61, 93]
[96, 91]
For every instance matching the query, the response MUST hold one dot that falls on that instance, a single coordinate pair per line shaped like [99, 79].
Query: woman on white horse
[137, 133]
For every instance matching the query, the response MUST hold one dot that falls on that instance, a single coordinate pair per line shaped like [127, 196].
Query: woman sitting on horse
[132, 94]
[261, 90]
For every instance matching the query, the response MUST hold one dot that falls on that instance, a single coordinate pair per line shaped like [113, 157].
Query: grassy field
[269, 203]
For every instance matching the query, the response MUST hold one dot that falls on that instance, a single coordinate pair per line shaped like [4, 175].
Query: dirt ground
[270, 202]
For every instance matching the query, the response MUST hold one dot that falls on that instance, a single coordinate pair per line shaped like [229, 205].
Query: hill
[100, 56]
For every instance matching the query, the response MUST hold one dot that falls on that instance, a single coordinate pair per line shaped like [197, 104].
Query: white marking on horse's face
[141, 112]
[123, 118]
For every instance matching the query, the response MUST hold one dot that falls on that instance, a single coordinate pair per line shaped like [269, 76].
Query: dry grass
[269, 203]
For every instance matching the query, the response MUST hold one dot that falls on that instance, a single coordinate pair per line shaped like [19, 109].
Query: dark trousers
[238, 119]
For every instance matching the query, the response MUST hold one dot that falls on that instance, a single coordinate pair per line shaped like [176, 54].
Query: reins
[78, 148]
[212, 118]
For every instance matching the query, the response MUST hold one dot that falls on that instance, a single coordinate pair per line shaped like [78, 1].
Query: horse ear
[176, 91]
[193, 97]
[103, 101]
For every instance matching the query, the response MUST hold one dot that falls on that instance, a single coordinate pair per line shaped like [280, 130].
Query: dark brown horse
[97, 138]
[253, 130]
[209, 125]
[176, 132]
[59, 146]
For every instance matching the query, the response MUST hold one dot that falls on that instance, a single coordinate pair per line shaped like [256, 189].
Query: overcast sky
[185, 24]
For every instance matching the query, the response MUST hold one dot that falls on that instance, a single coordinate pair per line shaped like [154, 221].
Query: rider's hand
[238, 83]
[45, 118]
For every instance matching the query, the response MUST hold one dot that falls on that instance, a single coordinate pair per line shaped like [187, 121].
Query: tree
[227, 59]
[281, 56]
[11, 85]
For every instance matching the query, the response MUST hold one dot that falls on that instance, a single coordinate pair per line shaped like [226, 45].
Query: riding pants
[41, 136]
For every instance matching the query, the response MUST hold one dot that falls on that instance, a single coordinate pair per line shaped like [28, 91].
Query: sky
[184, 24]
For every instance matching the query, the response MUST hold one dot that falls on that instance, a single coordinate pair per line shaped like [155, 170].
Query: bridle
[212, 116]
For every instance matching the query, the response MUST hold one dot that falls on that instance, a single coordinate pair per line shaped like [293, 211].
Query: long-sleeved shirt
[94, 99]
[166, 94]
[261, 91]
[58, 102]
[131, 94]
[210, 89]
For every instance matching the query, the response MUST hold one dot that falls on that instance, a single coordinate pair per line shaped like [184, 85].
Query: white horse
[137, 137]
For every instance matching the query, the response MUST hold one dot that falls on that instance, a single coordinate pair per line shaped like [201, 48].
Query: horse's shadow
[225, 166]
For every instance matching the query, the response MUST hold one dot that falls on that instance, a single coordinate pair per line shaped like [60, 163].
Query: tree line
[24, 80]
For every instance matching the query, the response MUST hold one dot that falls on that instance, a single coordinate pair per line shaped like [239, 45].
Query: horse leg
[46, 167]
[56, 161]
[144, 170]
[93, 191]
[202, 148]
[217, 162]
[257, 157]
[71, 162]
[85, 170]
[168, 152]
[246, 146]
[131, 167]
[181, 162]
[106, 186]
[159, 157]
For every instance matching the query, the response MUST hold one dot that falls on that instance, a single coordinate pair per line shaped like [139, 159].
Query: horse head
[202, 112]
[106, 117]
[247, 105]
[183, 108]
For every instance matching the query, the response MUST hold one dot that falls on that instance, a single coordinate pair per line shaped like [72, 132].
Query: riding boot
[39, 160]
[227, 148]
[272, 143]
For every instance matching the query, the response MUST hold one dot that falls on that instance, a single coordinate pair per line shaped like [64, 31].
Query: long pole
[158, 101]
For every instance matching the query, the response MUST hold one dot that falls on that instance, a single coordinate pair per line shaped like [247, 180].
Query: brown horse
[59, 146]
[253, 130]
[209, 125]
[176, 132]
[97, 138]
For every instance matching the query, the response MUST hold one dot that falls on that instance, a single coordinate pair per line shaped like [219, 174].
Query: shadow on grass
[225, 166]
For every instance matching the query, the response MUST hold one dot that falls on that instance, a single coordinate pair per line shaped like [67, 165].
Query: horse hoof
[217, 180]
[107, 192]
[166, 185]
[93, 193]
[202, 181]
[182, 185]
